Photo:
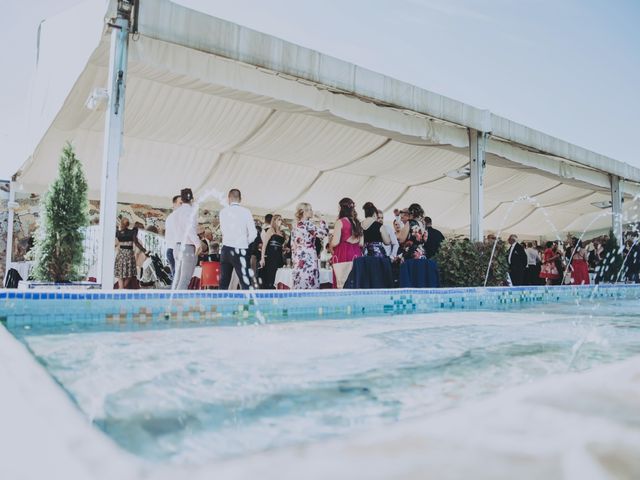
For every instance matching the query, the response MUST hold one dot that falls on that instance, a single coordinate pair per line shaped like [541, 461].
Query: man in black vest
[517, 261]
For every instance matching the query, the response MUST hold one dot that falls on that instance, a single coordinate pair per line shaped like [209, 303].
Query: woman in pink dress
[306, 274]
[347, 238]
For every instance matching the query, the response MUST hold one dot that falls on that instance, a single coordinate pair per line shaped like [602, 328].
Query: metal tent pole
[114, 127]
[616, 206]
[477, 141]
[11, 206]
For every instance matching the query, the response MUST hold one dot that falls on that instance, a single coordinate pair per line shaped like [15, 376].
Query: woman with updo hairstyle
[347, 238]
[306, 272]
[413, 234]
[375, 236]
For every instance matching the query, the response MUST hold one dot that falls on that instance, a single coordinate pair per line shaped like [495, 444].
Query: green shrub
[463, 263]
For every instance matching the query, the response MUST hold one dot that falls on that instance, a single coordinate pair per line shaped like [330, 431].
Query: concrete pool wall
[568, 426]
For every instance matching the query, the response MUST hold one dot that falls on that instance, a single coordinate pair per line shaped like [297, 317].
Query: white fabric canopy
[197, 119]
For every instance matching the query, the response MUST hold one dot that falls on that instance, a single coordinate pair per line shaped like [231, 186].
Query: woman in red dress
[347, 239]
[579, 264]
[549, 271]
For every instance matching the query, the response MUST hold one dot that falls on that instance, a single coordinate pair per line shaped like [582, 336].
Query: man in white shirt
[392, 248]
[533, 265]
[238, 231]
[170, 234]
[185, 222]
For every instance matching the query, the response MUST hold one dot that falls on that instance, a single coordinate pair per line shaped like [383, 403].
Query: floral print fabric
[306, 274]
[413, 246]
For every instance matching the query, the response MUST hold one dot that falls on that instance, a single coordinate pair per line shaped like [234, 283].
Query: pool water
[191, 395]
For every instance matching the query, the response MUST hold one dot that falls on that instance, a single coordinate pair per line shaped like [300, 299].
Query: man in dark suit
[517, 261]
[434, 239]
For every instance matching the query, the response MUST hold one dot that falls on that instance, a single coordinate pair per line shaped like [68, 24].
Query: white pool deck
[575, 426]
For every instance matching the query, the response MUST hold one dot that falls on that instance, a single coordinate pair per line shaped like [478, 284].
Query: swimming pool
[191, 395]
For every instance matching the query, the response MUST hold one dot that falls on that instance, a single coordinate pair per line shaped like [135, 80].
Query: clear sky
[570, 68]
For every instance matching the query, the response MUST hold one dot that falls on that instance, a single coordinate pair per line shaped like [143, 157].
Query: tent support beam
[12, 207]
[616, 207]
[113, 135]
[477, 145]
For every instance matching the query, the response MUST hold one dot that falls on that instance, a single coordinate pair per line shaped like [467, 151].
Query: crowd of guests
[399, 253]
[255, 251]
[574, 262]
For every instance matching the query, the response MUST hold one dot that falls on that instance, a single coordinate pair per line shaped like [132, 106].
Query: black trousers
[517, 275]
[234, 259]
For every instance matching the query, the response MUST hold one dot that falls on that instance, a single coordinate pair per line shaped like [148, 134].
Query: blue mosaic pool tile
[148, 309]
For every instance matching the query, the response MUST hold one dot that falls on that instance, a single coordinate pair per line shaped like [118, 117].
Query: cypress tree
[58, 245]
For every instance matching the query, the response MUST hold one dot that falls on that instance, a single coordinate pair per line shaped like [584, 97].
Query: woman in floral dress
[549, 270]
[306, 274]
[413, 235]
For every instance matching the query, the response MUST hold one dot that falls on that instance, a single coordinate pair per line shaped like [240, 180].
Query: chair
[210, 276]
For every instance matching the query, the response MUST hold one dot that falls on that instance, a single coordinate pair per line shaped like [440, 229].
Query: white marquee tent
[213, 105]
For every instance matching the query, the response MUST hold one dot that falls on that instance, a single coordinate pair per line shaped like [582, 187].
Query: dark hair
[348, 211]
[370, 210]
[235, 193]
[186, 195]
[175, 198]
[427, 221]
[549, 244]
[416, 211]
[268, 217]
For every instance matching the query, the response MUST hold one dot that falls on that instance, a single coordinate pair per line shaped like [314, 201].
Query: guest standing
[125, 265]
[579, 265]
[170, 234]
[434, 239]
[413, 234]
[272, 254]
[306, 274]
[346, 241]
[375, 236]
[416, 271]
[238, 231]
[392, 248]
[532, 274]
[185, 223]
[517, 259]
[549, 270]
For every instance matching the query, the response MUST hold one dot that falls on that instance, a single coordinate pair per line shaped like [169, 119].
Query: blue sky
[569, 68]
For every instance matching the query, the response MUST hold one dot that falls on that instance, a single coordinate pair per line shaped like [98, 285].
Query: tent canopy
[212, 105]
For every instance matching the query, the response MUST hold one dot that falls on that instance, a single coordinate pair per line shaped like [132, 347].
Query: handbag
[342, 270]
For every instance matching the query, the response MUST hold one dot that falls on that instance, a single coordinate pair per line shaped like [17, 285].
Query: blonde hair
[274, 224]
[301, 208]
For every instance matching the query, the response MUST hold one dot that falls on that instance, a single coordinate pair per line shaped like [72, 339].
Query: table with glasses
[284, 278]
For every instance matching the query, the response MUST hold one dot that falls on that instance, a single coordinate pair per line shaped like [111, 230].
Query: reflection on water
[192, 395]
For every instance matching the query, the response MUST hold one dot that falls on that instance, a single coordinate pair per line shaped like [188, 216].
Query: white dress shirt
[184, 224]
[170, 232]
[392, 249]
[237, 226]
[532, 256]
